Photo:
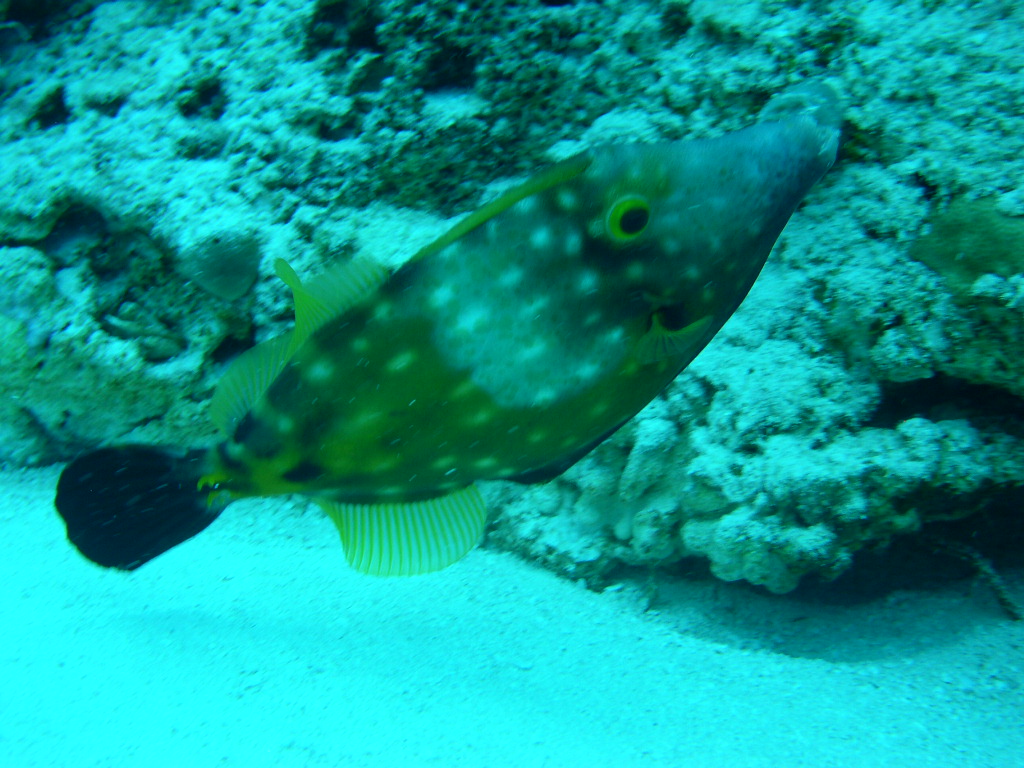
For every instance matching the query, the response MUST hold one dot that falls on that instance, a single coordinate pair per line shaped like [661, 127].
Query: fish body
[506, 350]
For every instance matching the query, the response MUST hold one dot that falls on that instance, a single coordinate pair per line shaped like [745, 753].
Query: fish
[507, 349]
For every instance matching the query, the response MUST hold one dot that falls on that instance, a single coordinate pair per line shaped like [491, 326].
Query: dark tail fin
[124, 506]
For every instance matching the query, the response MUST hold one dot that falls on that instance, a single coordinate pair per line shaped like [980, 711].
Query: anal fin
[409, 538]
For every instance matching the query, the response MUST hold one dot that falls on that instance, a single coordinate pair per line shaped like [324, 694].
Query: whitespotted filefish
[507, 349]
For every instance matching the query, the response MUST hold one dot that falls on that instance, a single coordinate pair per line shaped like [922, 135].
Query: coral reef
[155, 158]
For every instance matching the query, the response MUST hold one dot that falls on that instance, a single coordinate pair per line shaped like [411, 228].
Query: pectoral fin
[664, 344]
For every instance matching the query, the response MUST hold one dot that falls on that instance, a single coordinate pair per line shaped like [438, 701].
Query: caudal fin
[124, 506]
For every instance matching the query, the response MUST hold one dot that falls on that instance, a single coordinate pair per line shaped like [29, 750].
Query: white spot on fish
[527, 204]
[544, 397]
[360, 344]
[465, 388]
[573, 243]
[444, 462]
[535, 307]
[319, 371]
[510, 277]
[541, 238]
[481, 417]
[488, 462]
[567, 200]
[386, 463]
[535, 350]
[538, 436]
[471, 319]
[635, 271]
[285, 424]
[441, 297]
[588, 282]
[400, 361]
[614, 336]
[360, 422]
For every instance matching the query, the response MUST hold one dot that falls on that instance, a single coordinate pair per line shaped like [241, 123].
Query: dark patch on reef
[994, 528]
[203, 98]
[995, 531]
[342, 24]
[41, 18]
[132, 296]
[450, 67]
[233, 346]
[51, 111]
[942, 398]
[970, 238]
[914, 589]
[108, 104]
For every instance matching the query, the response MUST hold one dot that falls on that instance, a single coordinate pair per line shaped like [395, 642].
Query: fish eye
[627, 218]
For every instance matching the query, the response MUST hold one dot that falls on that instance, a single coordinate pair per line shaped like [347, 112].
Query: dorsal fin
[245, 381]
[329, 294]
[559, 173]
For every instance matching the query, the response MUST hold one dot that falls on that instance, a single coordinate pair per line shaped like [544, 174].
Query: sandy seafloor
[255, 645]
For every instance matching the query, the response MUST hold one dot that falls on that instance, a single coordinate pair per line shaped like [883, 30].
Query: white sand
[254, 645]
